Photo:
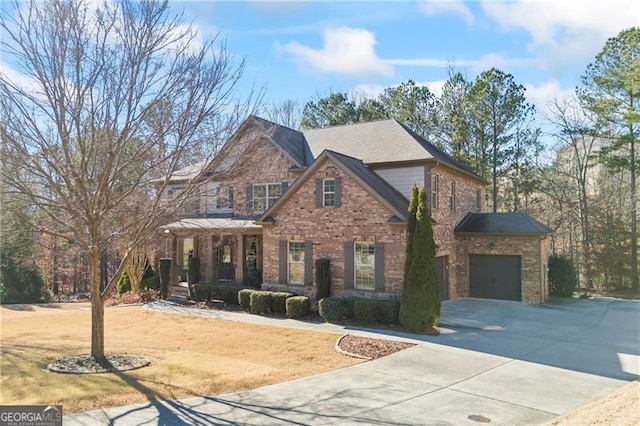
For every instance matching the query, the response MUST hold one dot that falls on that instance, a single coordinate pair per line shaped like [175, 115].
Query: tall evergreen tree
[611, 90]
[420, 306]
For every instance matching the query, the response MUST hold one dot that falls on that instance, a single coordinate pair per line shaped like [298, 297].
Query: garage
[442, 272]
[495, 277]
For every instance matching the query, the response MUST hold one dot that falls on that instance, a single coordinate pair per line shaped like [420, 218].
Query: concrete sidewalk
[505, 362]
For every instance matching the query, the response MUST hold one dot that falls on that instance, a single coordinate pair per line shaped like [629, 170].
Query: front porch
[229, 250]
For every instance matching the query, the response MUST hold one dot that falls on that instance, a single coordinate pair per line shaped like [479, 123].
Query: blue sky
[300, 49]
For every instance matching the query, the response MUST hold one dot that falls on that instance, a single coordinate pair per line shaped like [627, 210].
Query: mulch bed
[86, 364]
[369, 348]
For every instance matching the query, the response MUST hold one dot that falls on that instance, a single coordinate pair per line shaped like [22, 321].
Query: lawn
[190, 356]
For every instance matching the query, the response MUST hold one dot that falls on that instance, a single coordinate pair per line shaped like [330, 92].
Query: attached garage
[495, 277]
[502, 256]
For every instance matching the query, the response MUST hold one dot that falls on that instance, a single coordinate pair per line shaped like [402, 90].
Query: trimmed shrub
[334, 309]
[279, 302]
[150, 283]
[193, 275]
[244, 298]
[202, 292]
[563, 278]
[124, 284]
[389, 311]
[376, 311]
[226, 293]
[298, 306]
[164, 272]
[323, 278]
[260, 302]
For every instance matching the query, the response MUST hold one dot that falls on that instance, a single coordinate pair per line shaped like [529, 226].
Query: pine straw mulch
[368, 347]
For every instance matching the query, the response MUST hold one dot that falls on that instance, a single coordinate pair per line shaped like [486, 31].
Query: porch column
[240, 259]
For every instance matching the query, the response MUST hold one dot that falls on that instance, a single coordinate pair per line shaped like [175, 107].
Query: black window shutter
[319, 189]
[249, 199]
[282, 262]
[348, 264]
[284, 185]
[338, 194]
[308, 262]
[379, 265]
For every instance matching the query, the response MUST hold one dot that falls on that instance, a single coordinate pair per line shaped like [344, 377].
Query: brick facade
[361, 217]
[446, 219]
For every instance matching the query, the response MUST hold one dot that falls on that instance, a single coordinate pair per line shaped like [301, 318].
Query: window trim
[372, 265]
[325, 192]
[269, 200]
[452, 195]
[298, 262]
[435, 188]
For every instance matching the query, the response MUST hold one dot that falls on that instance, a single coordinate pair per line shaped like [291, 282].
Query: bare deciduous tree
[105, 103]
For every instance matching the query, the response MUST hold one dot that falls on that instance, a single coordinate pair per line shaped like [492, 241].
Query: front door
[224, 260]
[253, 260]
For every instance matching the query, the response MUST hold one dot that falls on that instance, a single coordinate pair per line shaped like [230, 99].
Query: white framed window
[295, 262]
[224, 199]
[452, 195]
[329, 192]
[264, 195]
[435, 187]
[364, 265]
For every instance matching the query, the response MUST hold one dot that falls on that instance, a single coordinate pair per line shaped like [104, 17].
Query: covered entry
[495, 277]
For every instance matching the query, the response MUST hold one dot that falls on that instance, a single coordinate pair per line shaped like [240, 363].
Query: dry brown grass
[190, 356]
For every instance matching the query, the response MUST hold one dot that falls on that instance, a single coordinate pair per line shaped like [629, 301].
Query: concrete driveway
[503, 362]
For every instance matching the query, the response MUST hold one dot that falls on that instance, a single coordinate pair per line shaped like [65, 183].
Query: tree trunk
[634, 215]
[97, 306]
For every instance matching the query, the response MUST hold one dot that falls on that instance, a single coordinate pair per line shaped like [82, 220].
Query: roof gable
[356, 169]
[501, 223]
[290, 142]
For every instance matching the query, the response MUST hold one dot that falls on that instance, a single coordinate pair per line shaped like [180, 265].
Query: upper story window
[452, 195]
[435, 186]
[329, 192]
[264, 195]
[224, 198]
[478, 199]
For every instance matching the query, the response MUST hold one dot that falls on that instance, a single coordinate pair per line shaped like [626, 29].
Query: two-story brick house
[342, 193]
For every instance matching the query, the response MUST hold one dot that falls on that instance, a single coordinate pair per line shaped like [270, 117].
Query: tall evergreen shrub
[420, 305]
[323, 278]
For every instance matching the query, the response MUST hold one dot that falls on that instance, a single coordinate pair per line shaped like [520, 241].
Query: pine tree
[420, 306]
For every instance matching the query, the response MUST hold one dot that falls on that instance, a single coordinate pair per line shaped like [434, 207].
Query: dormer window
[329, 192]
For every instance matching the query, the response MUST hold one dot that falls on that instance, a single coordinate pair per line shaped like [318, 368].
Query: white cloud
[372, 91]
[346, 51]
[565, 30]
[454, 7]
[542, 95]
[495, 60]
[23, 81]
[366, 91]
[431, 62]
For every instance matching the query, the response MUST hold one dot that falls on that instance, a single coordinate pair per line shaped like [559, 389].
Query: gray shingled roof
[382, 141]
[354, 167]
[291, 142]
[501, 223]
